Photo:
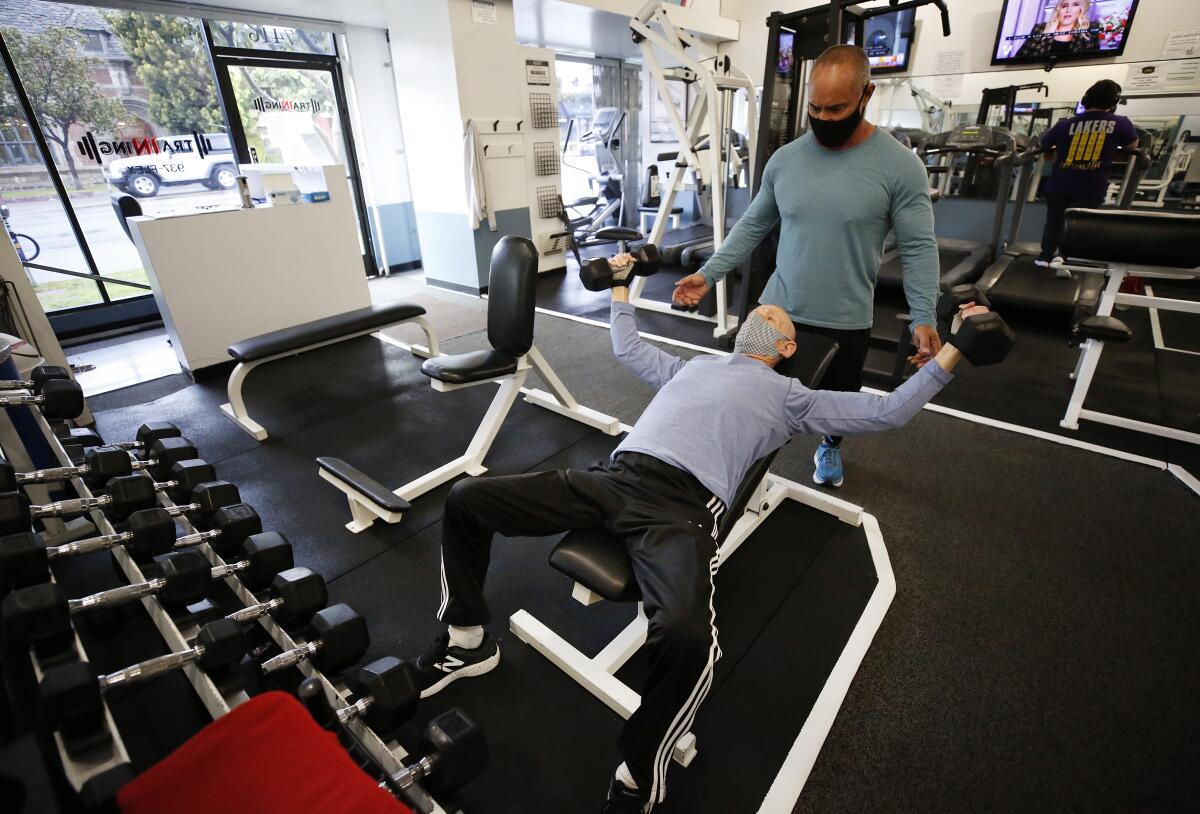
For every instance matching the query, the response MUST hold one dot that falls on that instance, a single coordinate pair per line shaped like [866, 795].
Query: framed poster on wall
[660, 122]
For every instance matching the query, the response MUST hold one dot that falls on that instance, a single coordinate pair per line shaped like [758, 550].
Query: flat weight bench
[1117, 243]
[512, 287]
[258, 350]
[602, 569]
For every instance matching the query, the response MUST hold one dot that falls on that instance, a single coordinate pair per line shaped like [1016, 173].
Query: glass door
[288, 107]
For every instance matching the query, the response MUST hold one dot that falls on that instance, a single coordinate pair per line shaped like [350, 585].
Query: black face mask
[835, 133]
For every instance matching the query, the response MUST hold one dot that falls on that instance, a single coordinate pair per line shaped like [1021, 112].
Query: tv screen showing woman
[1041, 30]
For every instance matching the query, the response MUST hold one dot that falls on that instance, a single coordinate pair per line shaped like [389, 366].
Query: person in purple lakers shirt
[1085, 146]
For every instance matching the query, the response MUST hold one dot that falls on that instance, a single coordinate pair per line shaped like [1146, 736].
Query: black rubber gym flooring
[1040, 653]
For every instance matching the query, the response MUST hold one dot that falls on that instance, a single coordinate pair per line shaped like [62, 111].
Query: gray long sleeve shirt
[835, 208]
[714, 416]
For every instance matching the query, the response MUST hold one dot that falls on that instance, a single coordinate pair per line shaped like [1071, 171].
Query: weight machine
[707, 149]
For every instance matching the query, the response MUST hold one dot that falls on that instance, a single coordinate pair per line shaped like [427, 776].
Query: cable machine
[706, 140]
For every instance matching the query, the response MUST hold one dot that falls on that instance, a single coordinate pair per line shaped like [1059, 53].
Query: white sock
[467, 638]
[625, 777]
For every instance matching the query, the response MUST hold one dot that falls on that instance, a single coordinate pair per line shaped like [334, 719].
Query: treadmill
[960, 261]
[1012, 280]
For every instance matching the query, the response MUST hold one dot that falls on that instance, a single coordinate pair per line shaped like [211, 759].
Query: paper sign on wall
[1163, 77]
[948, 86]
[483, 11]
[950, 62]
[1182, 43]
[537, 72]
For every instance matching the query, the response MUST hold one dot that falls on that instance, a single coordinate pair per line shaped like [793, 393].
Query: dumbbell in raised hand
[25, 558]
[296, 594]
[984, 339]
[37, 378]
[951, 300]
[599, 273]
[386, 695]
[72, 695]
[58, 398]
[42, 613]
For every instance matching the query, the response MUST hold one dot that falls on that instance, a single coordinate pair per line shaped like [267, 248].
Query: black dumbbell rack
[388, 756]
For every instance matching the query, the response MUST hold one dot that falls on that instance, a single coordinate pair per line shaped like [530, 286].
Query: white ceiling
[568, 27]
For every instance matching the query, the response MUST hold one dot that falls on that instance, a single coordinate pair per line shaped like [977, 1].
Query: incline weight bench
[258, 350]
[512, 287]
[1118, 243]
[602, 569]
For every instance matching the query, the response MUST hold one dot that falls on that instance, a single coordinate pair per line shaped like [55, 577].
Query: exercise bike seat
[618, 233]
[471, 367]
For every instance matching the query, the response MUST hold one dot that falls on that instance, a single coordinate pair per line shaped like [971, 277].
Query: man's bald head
[847, 62]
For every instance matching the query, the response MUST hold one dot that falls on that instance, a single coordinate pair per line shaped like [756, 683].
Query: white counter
[219, 277]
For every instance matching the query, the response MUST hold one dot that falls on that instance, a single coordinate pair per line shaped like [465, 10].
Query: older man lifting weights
[837, 191]
[663, 491]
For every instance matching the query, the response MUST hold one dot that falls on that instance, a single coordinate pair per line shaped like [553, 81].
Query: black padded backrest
[1126, 236]
[126, 206]
[808, 364]
[512, 286]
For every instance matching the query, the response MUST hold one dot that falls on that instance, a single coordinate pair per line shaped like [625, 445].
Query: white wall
[380, 142]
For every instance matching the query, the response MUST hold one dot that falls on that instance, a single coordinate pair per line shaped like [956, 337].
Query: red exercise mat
[267, 756]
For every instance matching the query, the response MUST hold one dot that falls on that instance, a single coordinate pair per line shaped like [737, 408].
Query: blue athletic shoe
[829, 466]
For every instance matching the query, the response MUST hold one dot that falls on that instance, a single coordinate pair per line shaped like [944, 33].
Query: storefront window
[127, 104]
[271, 38]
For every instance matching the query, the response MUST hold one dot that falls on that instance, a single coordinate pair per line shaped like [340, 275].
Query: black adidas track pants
[668, 522]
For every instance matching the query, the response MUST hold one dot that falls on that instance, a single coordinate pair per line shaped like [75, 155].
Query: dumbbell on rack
[386, 693]
[123, 496]
[296, 594]
[336, 639]
[25, 558]
[77, 439]
[37, 378]
[72, 695]
[452, 750]
[42, 613]
[100, 464]
[57, 398]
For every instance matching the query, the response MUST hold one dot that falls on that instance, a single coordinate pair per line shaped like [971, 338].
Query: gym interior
[314, 315]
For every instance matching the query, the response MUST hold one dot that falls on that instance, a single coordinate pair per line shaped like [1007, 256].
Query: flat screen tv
[887, 39]
[1041, 31]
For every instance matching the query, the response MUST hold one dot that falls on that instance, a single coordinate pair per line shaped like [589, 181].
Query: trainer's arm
[912, 219]
[748, 232]
[648, 363]
[828, 412]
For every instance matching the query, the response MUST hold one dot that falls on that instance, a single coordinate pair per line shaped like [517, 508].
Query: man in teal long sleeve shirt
[837, 191]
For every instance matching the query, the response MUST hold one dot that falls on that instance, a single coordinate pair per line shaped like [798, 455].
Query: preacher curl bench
[512, 287]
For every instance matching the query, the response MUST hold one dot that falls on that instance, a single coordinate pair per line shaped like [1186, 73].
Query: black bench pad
[1106, 329]
[598, 561]
[466, 368]
[322, 330]
[379, 494]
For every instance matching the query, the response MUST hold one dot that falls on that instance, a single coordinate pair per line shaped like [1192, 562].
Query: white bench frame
[1090, 349]
[364, 511]
[598, 674]
[235, 408]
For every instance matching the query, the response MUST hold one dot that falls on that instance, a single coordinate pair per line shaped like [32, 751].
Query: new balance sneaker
[623, 800]
[1043, 262]
[828, 460]
[443, 663]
